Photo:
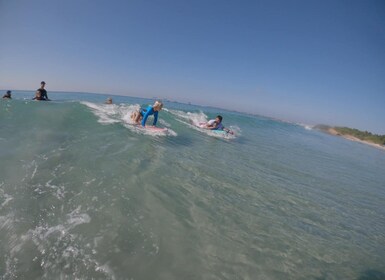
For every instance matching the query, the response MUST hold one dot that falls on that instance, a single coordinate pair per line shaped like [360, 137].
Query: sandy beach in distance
[332, 131]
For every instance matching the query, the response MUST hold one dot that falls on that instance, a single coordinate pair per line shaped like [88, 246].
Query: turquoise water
[86, 195]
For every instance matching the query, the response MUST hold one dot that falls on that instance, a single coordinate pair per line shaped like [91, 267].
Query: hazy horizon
[200, 105]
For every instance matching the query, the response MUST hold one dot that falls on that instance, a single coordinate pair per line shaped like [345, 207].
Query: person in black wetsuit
[43, 93]
[8, 94]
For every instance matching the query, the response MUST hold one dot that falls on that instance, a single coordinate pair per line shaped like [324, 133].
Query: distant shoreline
[334, 132]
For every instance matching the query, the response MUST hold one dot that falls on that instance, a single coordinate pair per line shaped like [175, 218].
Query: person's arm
[155, 118]
[46, 96]
[227, 130]
[212, 126]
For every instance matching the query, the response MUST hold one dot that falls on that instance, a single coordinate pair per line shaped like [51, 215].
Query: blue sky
[306, 61]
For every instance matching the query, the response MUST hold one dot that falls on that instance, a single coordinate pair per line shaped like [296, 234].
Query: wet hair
[219, 117]
[158, 104]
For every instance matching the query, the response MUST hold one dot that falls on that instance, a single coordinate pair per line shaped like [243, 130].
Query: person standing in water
[42, 91]
[140, 117]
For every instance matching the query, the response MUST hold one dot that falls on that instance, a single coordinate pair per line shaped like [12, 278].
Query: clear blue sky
[308, 61]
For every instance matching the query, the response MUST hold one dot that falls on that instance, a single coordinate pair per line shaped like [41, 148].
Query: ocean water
[84, 194]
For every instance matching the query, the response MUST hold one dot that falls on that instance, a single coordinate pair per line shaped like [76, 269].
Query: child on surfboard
[140, 117]
[216, 124]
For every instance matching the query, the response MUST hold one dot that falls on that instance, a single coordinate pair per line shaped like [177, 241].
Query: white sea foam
[8, 198]
[306, 126]
[111, 113]
[49, 240]
[106, 112]
[58, 191]
[76, 218]
[28, 168]
[195, 121]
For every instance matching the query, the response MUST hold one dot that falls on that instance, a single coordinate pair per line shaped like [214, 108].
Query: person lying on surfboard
[140, 117]
[216, 124]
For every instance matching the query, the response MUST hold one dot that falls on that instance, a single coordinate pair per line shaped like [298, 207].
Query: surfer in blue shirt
[140, 117]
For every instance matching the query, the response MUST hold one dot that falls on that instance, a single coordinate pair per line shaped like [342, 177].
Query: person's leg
[133, 115]
[138, 117]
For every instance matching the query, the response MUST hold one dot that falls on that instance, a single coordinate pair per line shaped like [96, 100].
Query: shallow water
[84, 194]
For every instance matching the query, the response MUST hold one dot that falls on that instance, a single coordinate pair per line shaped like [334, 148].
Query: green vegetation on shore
[362, 135]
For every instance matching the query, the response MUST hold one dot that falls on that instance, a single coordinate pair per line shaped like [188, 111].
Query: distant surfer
[216, 124]
[8, 94]
[109, 100]
[41, 93]
[140, 117]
